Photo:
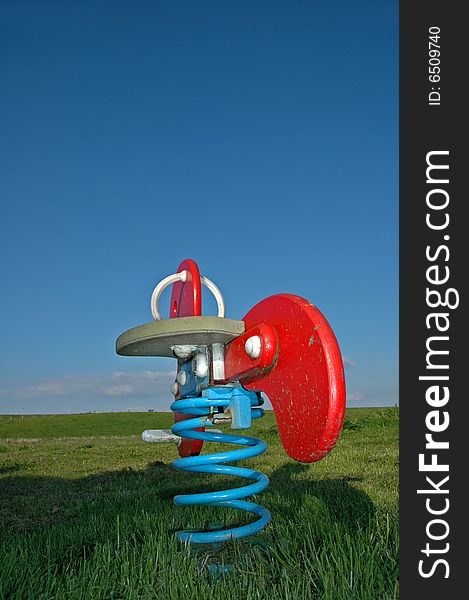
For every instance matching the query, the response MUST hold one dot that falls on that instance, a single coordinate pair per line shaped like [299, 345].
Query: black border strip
[425, 128]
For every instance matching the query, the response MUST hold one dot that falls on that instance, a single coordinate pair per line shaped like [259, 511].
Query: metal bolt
[183, 351]
[200, 365]
[253, 346]
[182, 377]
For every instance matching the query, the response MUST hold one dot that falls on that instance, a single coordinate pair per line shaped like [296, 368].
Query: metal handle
[182, 276]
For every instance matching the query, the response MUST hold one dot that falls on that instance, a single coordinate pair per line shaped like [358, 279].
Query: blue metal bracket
[238, 404]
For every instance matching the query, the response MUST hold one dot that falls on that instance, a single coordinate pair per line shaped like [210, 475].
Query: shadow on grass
[73, 522]
[10, 469]
[349, 506]
[31, 502]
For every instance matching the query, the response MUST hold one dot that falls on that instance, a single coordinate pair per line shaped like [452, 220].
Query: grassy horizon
[86, 512]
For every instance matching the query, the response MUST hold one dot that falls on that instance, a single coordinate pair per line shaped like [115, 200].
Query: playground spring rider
[283, 346]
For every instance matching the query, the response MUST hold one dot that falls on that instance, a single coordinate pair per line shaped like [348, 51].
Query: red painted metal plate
[239, 366]
[186, 298]
[186, 301]
[306, 386]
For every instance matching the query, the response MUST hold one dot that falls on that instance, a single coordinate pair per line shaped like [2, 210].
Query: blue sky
[259, 138]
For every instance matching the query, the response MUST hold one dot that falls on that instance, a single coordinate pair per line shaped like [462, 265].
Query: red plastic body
[186, 298]
[299, 368]
[306, 386]
[186, 301]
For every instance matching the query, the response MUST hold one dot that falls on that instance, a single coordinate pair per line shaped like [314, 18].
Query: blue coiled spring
[205, 408]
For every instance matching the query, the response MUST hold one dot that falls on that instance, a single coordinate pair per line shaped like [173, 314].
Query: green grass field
[86, 513]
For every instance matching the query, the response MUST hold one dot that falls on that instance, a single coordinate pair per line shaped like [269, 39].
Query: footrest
[159, 436]
[163, 436]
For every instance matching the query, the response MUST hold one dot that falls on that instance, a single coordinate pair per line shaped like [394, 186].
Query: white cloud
[348, 362]
[354, 396]
[380, 394]
[118, 390]
[98, 385]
